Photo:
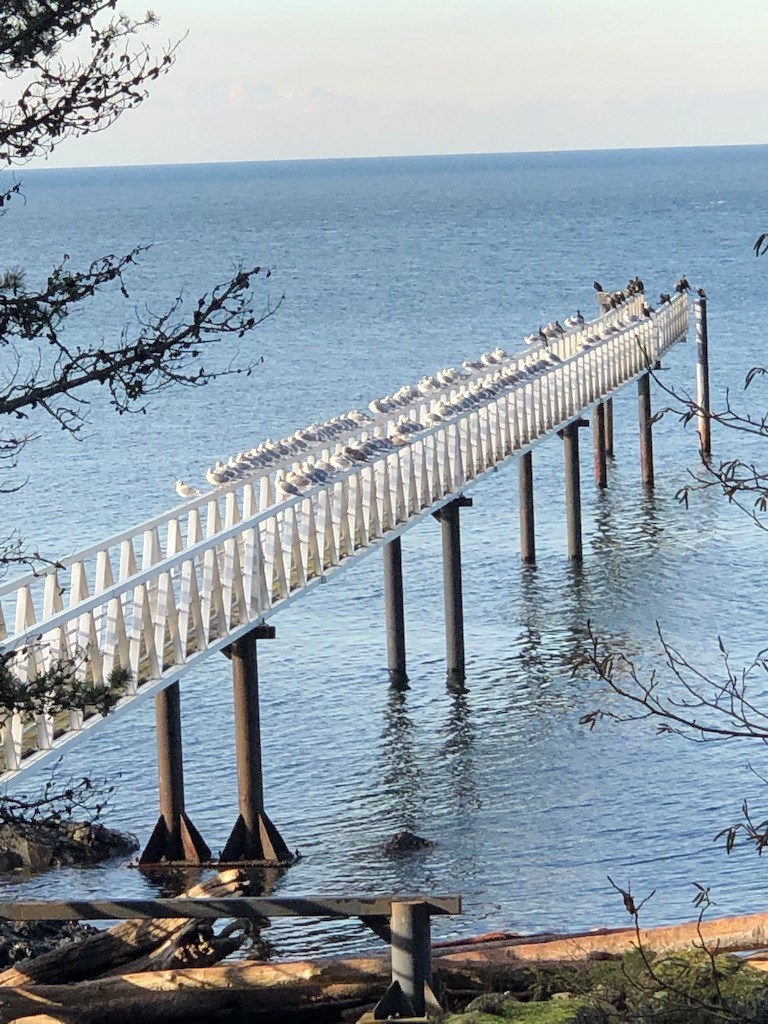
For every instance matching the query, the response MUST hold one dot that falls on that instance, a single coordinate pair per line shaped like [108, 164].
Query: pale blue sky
[325, 78]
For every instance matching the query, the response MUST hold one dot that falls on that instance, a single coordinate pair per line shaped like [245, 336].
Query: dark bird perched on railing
[635, 286]
[665, 297]
[682, 285]
[701, 293]
[648, 310]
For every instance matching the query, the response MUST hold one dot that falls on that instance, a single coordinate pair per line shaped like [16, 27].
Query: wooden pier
[207, 577]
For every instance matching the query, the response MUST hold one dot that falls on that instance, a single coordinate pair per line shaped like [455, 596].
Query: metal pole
[572, 491]
[702, 377]
[174, 837]
[527, 520]
[448, 517]
[170, 764]
[646, 430]
[412, 953]
[598, 432]
[254, 837]
[609, 427]
[245, 682]
[395, 611]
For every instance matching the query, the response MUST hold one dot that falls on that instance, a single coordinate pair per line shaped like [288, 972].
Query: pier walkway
[159, 599]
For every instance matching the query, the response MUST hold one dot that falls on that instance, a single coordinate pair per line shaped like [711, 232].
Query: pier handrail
[203, 585]
[565, 346]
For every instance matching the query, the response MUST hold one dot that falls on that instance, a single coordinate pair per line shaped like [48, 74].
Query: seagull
[218, 475]
[355, 454]
[186, 490]
[340, 461]
[286, 490]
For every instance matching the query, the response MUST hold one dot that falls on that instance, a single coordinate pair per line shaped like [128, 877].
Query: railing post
[395, 611]
[527, 519]
[174, 837]
[702, 377]
[570, 436]
[448, 517]
[646, 429]
[598, 433]
[254, 838]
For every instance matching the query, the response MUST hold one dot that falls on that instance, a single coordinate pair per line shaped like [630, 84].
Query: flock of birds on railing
[474, 383]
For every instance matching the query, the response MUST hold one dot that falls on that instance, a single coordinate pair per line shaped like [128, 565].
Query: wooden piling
[394, 608]
[174, 838]
[254, 838]
[646, 429]
[702, 378]
[570, 436]
[527, 518]
[448, 517]
[598, 433]
[608, 421]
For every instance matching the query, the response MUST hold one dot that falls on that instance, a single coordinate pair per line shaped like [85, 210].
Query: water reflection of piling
[458, 749]
[401, 774]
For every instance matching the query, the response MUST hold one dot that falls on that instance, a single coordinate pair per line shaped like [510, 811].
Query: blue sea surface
[392, 268]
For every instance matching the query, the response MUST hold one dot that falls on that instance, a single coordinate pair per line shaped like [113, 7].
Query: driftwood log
[726, 935]
[482, 962]
[137, 945]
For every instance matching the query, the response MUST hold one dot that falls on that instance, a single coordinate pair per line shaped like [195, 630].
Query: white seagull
[186, 490]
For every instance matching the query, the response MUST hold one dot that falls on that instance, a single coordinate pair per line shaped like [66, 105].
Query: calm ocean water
[392, 268]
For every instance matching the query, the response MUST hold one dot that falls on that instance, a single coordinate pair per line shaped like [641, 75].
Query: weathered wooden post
[448, 517]
[609, 428]
[570, 436]
[702, 377]
[598, 432]
[254, 838]
[527, 520]
[395, 611]
[646, 428]
[174, 837]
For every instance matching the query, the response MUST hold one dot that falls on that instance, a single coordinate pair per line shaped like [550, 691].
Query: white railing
[157, 599]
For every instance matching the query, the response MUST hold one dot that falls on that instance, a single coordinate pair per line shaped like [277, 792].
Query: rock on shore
[44, 844]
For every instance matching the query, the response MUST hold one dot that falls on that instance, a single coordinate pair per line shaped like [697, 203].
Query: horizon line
[398, 156]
